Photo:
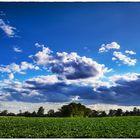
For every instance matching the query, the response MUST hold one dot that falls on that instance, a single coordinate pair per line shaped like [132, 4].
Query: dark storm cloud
[75, 70]
[69, 65]
[123, 93]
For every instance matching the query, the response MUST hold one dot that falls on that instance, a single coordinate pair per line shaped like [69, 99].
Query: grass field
[114, 127]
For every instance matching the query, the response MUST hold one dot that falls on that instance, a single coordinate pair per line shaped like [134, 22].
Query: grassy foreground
[115, 127]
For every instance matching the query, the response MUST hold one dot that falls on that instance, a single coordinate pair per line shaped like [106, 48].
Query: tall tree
[74, 109]
[4, 113]
[103, 114]
[119, 112]
[94, 113]
[40, 111]
[51, 113]
[112, 112]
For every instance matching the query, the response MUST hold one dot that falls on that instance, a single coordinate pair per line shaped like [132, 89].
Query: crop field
[107, 127]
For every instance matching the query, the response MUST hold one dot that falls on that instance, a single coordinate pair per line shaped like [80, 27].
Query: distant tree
[103, 114]
[11, 114]
[4, 113]
[74, 110]
[119, 112]
[34, 114]
[112, 112]
[58, 114]
[51, 113]
[135, 111]
[40, 111]
[20, 113]
[94, 113]
[87, 112]
[26, 114]
[138, 112]
[126, 113]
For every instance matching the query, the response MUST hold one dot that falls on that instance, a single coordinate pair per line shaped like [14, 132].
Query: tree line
[73, 110]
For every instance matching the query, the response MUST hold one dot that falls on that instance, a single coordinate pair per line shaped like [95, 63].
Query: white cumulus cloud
[8, 29]
[43, 57]
[130, 52]
[125, 59]
[13, 68]
[11, 76]
[39, 45]
[107, 47]
[16, 49]
[114, 58]
[127, 77]
[69, 65]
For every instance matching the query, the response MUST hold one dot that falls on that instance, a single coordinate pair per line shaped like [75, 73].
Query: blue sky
[71, 27]
[86, 35]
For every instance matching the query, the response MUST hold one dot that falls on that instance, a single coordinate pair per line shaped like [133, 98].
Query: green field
[114, 127]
